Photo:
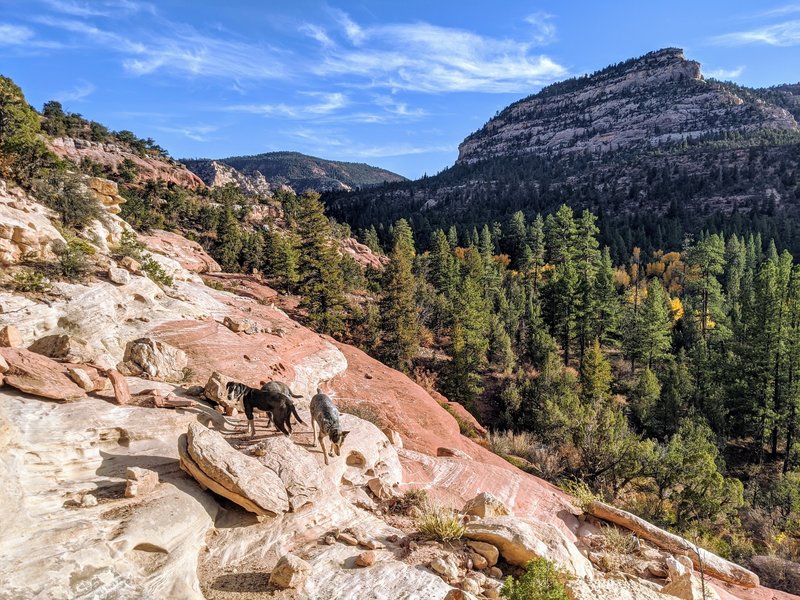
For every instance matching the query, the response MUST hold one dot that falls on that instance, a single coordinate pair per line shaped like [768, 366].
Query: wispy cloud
[104, 8]
[79, 92]
[781, 11]
[328, 103]
[428, 58]
[322, 140]
[726, 74]
[198, 133]
[780, 34]
[179, 50]
[544, 32]
[12, 35]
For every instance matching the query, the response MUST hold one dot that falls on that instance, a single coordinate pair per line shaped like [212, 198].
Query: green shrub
[541, 581]
[129, 245]
[73, 257]
[29, 280]
[581, 492]
[65, 192]
[363, 411]
[440, 522]
[155, 271]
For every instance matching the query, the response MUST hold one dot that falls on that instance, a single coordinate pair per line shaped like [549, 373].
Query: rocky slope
[302, 172]
[140, 488]
[217, 174]
[658, 99]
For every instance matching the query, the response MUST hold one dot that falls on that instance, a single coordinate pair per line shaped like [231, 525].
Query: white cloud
[79, 92]
[198, 133]
[182, 51]
[544, 32]
[322, 140]
[354, 32]
[329, 102]
[317, 33]
[428, 58]
[726, 74]
[781, 11]
[781, 34]
[12, 35]
[105, 8]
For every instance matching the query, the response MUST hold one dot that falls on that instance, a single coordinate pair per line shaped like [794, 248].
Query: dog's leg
[269, 418]
[314, 432]
[322, 444]
[251, 427]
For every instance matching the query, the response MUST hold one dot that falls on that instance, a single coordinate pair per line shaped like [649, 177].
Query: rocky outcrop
[712, 564]
[40, 376]
[217, 174]
[64, 347]
[290, 572]
[658, 98]
[485, 505]
[365, 257]
[26, 227]
[211, 460]
[107, 193]
[296, 468]
[149, 168]
[154, 359]
[189, 254]
[521, 540]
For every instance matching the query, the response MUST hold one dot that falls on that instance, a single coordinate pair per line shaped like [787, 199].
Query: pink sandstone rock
[38, 375]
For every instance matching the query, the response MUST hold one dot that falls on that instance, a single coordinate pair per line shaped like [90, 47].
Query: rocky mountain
[217, 174]
[302, 172]
[649, 137]
[131, 474]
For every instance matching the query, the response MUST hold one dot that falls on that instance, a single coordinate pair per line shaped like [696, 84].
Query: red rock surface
[249, 286]
[189, 254]
[38, 375]
[111, 155]
[362, 254]
[122, 394]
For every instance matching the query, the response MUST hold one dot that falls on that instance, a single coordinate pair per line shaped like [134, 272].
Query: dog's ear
[341, 437]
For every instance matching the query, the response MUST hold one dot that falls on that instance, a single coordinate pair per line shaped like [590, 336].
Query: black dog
[278, 387]
[275, 402]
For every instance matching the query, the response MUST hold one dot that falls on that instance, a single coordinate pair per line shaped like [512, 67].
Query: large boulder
[297, 469]
[25, 227]
[10, 337]
[211, 460]
[154, 359]
[38, 375]
[64, 347]
[521, 540]
[189, 254]
[485, 505]
[216, 391]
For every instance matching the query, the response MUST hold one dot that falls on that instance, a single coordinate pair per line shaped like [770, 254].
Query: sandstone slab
[140, 482]
[296, 468]
[38, 375]
[208, 457]
[64, 347]
[154, 359]
[10, 337]
[485, 505]
[122, 394]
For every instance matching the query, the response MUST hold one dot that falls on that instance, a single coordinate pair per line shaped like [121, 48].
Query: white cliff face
[659, 98]
[217, 174]
[25, 227]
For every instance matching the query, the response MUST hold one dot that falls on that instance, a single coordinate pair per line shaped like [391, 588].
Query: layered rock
[189, 254]
[26, 227]
[658, 98]
[217, 174]
[149, 168]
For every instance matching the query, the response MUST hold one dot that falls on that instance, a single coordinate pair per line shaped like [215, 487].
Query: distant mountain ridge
[649, 144]
[298, 171]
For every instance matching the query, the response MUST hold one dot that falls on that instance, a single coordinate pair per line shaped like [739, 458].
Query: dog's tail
[293, 395]
[296, 416]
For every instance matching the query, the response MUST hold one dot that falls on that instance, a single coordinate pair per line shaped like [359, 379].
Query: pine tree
[229, 239]
[320, 277]
[372, 241]
[400, 330]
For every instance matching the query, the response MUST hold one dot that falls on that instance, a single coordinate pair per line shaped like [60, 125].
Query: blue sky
[393, 83]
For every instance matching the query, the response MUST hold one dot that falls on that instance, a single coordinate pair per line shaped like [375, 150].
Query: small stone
[487, 551]
[446, 567]
[392, 538]
[367, 375]
[259, 451]
[452, 452]
[10, 337]
[655, 569]
[381, 489]
[88, 500]
[122, 394]
[478, 561]
[329, 540]
[492, 593]
[131, 264]
[485, 505]
[80, 377]
[119, 276]
[365, 559]
[290, 572]
[194, 390]
[393, 437]
[470, 585]
[495, 572]
[140, 482]
[415, 512]
[685, 561]
[372, 544]
[348, 539]
[412, 545]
